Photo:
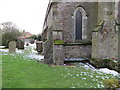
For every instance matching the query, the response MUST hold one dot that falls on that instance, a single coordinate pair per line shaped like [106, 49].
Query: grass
[0, 71]
[19, 72]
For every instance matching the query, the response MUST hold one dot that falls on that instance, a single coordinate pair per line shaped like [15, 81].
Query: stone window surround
[116, 8]
[84, 22]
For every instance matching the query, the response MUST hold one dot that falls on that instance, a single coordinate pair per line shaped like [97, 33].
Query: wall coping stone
[61, 42]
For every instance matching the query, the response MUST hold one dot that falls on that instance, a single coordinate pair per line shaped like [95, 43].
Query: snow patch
[19, 51]
[4, 50]
[102, 70]
[2, 46]
[108, 71]
[33, 45]
[37, 57]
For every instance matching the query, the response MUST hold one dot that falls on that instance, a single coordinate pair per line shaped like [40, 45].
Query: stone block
[48, 52]
[58, 55]
[77, 51]
[12, 46]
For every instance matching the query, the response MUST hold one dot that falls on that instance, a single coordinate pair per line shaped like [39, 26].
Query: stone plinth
[58, 55]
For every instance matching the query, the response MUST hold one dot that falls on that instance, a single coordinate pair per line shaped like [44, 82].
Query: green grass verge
[0, 71]
[19, 72]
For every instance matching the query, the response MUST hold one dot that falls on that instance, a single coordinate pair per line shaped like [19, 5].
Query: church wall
[60, 19]
[47, 37]
[77, 51]
[105, 45]
[48, 47]
[64, 14]
[105, 40]
[119, 30]
[66, 18]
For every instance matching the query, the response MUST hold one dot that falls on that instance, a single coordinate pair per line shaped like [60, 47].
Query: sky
[28, 15]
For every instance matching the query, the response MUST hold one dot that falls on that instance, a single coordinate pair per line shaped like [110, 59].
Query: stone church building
[81, 30]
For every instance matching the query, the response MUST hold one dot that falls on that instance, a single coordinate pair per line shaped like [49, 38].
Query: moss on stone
[97, 29]
[112, 83]
[61, 42]
[101, 23]
[58, 42]
[79, 43]
[105, 63]
[99, 26]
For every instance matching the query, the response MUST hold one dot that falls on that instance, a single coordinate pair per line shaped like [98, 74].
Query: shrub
[112, 83]
[9, 36]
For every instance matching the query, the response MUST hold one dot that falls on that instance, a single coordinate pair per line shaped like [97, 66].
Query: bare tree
[9, 32]
[9, 26]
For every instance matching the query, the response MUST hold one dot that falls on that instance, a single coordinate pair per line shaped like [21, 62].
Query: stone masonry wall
[119, 30]
[104, 42]
[58, 55]
[119, 10]
[79, 51]
[48, 48]
[105, 45]
[65, 15]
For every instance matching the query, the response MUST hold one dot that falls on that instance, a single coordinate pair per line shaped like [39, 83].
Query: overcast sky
[26, 14]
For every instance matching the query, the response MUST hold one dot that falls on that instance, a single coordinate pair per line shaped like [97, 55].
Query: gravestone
[39, 46]
[12, 46]
[20, 44]
[32, 41]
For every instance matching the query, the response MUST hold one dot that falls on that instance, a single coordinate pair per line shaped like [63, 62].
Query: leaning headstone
[20, 44]
[39, 46]
[12, 46]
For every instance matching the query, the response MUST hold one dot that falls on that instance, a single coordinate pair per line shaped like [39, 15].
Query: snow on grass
[32, 53]
[2, 46]
[87, 72]
[108, 71]
[102, 70]
[34, 56]
[33, 45]
[19, 51]
[30, 45]
[4, 50]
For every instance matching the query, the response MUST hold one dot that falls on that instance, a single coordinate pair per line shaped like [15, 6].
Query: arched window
[80, 24]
